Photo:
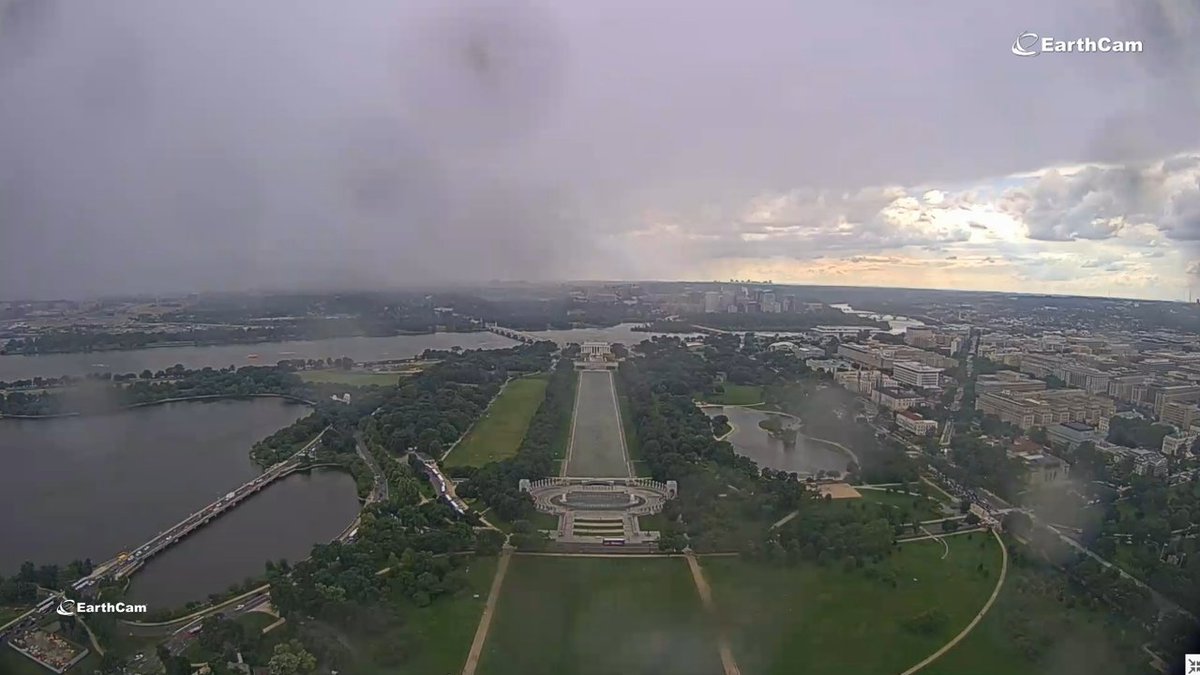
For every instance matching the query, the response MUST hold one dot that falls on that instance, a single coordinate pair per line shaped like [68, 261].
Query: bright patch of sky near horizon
[224, 145]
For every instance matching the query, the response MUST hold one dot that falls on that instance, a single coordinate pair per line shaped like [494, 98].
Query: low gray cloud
[230, 145]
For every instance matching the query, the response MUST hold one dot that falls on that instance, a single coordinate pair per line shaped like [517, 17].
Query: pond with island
[806, 456]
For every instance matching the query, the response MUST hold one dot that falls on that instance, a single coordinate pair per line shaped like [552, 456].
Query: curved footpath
[978, 617]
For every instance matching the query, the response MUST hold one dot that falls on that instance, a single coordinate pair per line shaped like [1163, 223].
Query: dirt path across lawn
[485, 619]
[706, 599]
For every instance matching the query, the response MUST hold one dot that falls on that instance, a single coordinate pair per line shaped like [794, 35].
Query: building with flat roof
[886, 356]
[1071, 434]
[1177, 443]
[827, 365]
[797, 350]
[1182, 415]
[859, 381]
[1176, 393]
[916, 374]
[861, 355]
[915, 424]
[1044, 408]
[841, 331]
[895, 399]
[1044, 468]
[1007, 380]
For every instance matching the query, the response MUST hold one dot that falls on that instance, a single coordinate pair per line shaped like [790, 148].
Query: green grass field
[923, 507]
[433, 639]
[598, 616]
[737, 394]
[9, 613]
[816, 620]
[255, 622]
[499, 434]
[1029, 630]
[354, 378]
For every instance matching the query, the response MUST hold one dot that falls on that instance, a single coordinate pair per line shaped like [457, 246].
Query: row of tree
[408, 551]
[725, 502]
[545, 440]
[22, 587]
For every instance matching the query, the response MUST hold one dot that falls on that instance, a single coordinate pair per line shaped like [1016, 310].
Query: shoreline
[194, 343]
[147, 404]
[800, 434]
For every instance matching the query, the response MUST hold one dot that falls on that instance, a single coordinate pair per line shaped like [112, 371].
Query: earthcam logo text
[1032, 44]
[73, 608]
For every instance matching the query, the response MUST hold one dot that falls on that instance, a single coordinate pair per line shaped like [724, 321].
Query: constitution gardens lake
[94, 486]
[807, 456]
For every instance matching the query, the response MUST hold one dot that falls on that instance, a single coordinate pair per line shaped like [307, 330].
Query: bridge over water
[512, 334]
[126, 564]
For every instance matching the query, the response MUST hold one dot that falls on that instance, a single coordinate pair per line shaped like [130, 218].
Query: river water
[93, 486]
[896, 324]
[808, 456]
[16, 367]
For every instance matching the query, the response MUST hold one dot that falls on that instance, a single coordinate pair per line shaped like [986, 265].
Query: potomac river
[93, 486]
[18, 366]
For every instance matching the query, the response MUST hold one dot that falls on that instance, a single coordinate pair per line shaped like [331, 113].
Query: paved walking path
[706, 599]
[784, 520]
[978, 617]
[92, 637]
[485, 619]
[939, 536]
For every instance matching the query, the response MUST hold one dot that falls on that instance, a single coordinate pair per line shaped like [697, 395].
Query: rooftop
[916, 366]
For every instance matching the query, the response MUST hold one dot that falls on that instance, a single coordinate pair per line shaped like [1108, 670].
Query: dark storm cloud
[171, 145]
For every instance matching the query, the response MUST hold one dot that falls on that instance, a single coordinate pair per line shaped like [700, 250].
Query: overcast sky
[161, 145]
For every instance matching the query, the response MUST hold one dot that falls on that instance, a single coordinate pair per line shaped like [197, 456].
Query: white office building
[916, 374]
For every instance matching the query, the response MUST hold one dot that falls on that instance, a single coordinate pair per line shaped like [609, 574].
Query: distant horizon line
[417, 288]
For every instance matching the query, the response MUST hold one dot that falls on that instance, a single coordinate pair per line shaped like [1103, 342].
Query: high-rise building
[712, 302]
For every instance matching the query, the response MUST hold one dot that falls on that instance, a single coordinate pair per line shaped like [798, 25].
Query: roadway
[379, 491]
[122, 566]
[126, 564]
